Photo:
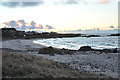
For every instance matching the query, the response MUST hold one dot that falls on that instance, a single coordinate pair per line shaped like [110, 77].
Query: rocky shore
[12, 33]
[85, 59]
[19, 65]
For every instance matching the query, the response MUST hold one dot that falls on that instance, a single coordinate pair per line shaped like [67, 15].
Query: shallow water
[76, 42]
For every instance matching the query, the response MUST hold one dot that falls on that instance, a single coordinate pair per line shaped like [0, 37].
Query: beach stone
[49, 50]
[114, 50]
[110, 50]
[85, 48]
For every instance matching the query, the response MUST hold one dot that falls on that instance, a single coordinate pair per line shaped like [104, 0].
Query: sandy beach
[21, 44]
[90, 61]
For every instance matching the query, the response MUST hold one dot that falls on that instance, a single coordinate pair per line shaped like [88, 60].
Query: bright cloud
[21, 25]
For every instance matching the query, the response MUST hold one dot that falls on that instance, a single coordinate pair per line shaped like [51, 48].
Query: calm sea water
[76, 42]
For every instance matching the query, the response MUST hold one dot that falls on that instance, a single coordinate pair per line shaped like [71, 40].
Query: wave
[76, 42]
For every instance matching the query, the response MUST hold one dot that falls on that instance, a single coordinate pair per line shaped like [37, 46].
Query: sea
[74, 43]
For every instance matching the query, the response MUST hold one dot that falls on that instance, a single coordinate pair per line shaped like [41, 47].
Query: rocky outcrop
[110, 50]
[85, 48]
[51, 51]
[12, 33]
[91, 36]
[88, 48]
[118, 34]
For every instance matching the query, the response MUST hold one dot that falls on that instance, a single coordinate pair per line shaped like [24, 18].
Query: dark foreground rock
[85, 48]
[88, 48]
[50, 50]
[110, 50]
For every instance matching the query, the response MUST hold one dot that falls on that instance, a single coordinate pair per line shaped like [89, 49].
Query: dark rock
[91, 36]
[115, 50]
[63, 49]
[110, 50]
[118, 34]
[85, 48]
[12, 33]
[49, 50]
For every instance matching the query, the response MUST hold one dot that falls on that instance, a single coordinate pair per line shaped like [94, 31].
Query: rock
[49, 50]
[118, 34]
[94, 36]
[114, 50]
[110, 50]
[91, 36]
[85, 48]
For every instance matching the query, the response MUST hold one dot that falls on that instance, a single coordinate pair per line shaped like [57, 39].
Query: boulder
[110, 50]
[85, 48]
[51, 51]
[94, 36]
[48, 50]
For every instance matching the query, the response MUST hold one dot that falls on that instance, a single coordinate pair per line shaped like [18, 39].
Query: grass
[31, 66]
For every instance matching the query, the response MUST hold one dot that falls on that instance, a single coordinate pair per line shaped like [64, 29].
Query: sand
[20, 44]
[106, 63]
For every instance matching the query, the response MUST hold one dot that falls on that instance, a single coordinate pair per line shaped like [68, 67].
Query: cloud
[22, 22]
[111, 27]
[6, 23]
[21, 4]
[40, 26]
[49, 27]
[72, 2]
[104, 1]
[33, 25]
[13, 24]
[22, 25]
[77, 2]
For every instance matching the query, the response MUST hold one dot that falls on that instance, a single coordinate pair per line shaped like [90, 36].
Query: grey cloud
[49, 27]
[33, 26]
[72, 2]
[40, 27]
[22, 21]
[21, 4]
[13, 24]
[24, 4]
[111, 27]
[23, 27]
[10, 4]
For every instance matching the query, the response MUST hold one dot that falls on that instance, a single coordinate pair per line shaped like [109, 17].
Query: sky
[62, 14]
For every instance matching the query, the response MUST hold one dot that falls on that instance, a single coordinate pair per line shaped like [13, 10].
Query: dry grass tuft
[31, 66]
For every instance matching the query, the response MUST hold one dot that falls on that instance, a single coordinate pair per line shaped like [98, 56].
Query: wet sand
[20, 44]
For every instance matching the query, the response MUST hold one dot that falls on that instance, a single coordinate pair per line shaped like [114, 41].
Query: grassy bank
[31, 66]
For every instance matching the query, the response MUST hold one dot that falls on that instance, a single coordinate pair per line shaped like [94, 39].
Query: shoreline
[31, 66]
[89, 58]
[30, 45]
[21, 44]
